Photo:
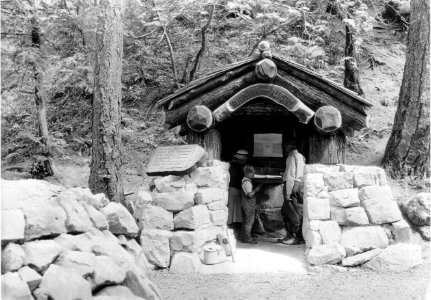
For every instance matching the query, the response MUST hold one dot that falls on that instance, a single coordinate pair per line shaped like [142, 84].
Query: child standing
[248, 204]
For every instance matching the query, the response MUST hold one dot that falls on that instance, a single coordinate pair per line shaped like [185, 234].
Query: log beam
[327, 119]
[326, 149]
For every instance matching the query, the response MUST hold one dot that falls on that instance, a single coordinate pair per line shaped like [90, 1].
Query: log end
[327, 119]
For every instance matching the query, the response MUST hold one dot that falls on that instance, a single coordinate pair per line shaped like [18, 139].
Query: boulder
[396, 258]
[12, 258]
[77, 219]
[58, 283]
[329, 231]
[338, 181]
[183, 241]
[326, 254]
[97, 218]
[13, 287]
[106, 272]
[30, 276]
[363, 238]
[402, 232]
[66, 242]
[217, 205]
[349, 216]
[12, 225]
[208, 195]
[344, 198]
[83, 194]
[116, 292]
[184, 263]
[313, 184]
[219, 217]
[170, 183]
[321, 168]
[365, 176]
[381, 212]
[215, 177]
[317, 209]
[120, 220]
[377, 193]
[359, 259]
[39, 254]
[193, 218]
[141, 286]
[417, 209]
[142, 199]
[156, 246]
[425, 232]
[137, 252]
[81, 263]
[155, 217]
[312, 238]
[174, 201]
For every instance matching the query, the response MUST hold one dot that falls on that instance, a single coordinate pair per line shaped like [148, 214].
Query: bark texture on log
[105, 175]
[327, 149]
[210, 141]
[408, 150]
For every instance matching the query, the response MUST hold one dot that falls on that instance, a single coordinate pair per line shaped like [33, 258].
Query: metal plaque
[174, 160]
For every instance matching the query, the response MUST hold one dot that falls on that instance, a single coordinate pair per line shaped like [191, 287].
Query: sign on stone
[174, 159]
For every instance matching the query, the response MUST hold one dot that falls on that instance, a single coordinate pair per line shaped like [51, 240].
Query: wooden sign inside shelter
[174, 160]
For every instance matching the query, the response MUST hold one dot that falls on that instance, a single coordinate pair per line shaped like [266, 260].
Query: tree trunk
[327, 149]
[408, 148]
[351, 70]
[210, 141]
[105, 175]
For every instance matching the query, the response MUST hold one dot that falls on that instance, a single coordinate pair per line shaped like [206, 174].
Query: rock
[58, 283]
[359, 259]
[106, 272]
[66, 242]
[116, 292]
[30, 276]
[13, 287]
[338, 181]
[377, 193]
[193, 218]
[321, 168]
[363, 238]
[77, 219]
[417, 209]
[141, 286]
[425, 232]
[85, 195]
[381, 212]
[174, 201]
[349, 216]
[219, 217]
[402, 231]
[330, 232]
[81, 263]
[12, 225]
[170, 183]
[208, 195]
[217, 205]
[204, 235]
[317, 209]
[39, 254]
[183, 241]
[154, 217]
[185, 263]
[365, 176]
[215, 177]
[396, 258]
[12, 258]
[97, 218]
[326, 254]
[156, 246]
[143, 199]
[313, 184]
[137, 252]
[312, 238]
[120, 220]
[344, 198]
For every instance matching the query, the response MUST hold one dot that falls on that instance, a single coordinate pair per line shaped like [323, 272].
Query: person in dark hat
[234, 203]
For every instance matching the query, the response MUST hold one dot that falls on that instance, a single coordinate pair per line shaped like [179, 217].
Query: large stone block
[381, 212]
[77, 219]
[97, 218]
[154, 217]
[219, 217]
[156, 246]
[211, 177]
[39, 254]
[312, 238]
[143, 199]
[326, 254]
[30, 276]
[363, 238]
[417, 209]
[13, 287]
[365, 176]
[185, 263]
[402, 231]
[313, 184]
[120, 220]
[344, 198]
[131, 246]
[396, 258]
[106, 272]
[338, 181]
[349, 216]
[174, 201]
[217, 205]
[183, 241]
[317, 209]
[329, 231]
[12, 258]
[207, 234]
[208, 195]
[12, 225]
[193, 218]
[170, 183]
[84, 194]
[141, 286]
[81, 263]
[321, 168]
[359, 259]
[377, 193]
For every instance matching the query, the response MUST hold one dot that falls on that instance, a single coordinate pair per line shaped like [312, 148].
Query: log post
[200, 118]
[210, 141]
[326, 149]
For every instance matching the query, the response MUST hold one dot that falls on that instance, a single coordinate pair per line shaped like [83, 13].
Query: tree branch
[171, 53]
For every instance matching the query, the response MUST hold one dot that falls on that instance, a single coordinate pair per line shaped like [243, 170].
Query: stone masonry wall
[350, 216]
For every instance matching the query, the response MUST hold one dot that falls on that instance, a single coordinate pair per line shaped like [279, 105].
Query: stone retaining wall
[350, 216]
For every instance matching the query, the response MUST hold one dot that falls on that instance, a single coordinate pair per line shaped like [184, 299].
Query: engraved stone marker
[174, 160]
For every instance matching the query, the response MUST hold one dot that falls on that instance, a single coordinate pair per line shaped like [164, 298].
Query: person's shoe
[291, 241]
[283, 240]
[251, 241]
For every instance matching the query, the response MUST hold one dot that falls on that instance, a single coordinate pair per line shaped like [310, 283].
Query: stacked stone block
[182, 214]
[349, 215]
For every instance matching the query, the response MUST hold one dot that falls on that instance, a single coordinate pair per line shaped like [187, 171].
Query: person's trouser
[292, 216]
[248, 208]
